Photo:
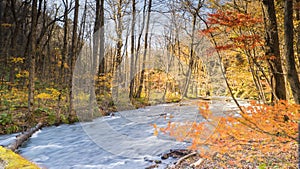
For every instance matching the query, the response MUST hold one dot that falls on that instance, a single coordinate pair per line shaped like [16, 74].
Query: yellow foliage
[7, 25]
[22, 74]
[172, 96]
[183, 54]
[58, 63]
[53, 94]
[18, 75]
[14, 161]
[43, 96]
[13, 97]
[17, 60]
[66, 66]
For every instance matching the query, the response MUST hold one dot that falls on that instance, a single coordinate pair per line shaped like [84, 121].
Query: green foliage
[9, 100]
[5, 119]
[7, 123]
[12, 129]
[51, 119]
[64, 119]
[262, 166]
[42, 109]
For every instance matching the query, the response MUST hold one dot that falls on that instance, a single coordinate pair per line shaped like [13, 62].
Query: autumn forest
[65, 61]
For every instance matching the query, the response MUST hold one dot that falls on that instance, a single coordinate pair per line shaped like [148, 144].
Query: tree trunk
[191, 58]
[73, 55]
[99, 28]
[97, 56]
[13, 43]
[102, 40]
[119, 32]
[99, 35]
[64, 52]
[137, 52]
[297, 10]
[139, 92]
[32, 55]
[132, 67]
[292, 74]
[272, 50]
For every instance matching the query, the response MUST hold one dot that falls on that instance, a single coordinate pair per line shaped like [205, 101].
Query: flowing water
[122, 141]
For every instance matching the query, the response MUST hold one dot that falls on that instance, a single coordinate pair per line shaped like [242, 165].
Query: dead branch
[185, 157]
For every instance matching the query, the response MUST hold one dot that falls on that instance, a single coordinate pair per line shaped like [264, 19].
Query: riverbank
[15, 118]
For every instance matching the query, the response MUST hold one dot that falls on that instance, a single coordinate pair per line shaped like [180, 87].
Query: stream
[122, 141]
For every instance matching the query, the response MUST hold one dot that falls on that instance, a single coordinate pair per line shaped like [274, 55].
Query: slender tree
[132, 67]
[64, 51]
[32, 55]
[194, 12]
[99, 27]
[138, 47]
[73, 54]
[119, 32]
[99, 43]
[138, 95]
[13, 42]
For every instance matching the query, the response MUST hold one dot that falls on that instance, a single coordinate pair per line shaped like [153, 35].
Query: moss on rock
[11, 160]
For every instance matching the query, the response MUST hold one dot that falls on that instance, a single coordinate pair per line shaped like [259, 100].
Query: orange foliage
[261, 134]
[225, 47]
[233, 21]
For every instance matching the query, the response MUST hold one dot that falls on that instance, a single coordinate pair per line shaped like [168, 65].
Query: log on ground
[24, 137]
